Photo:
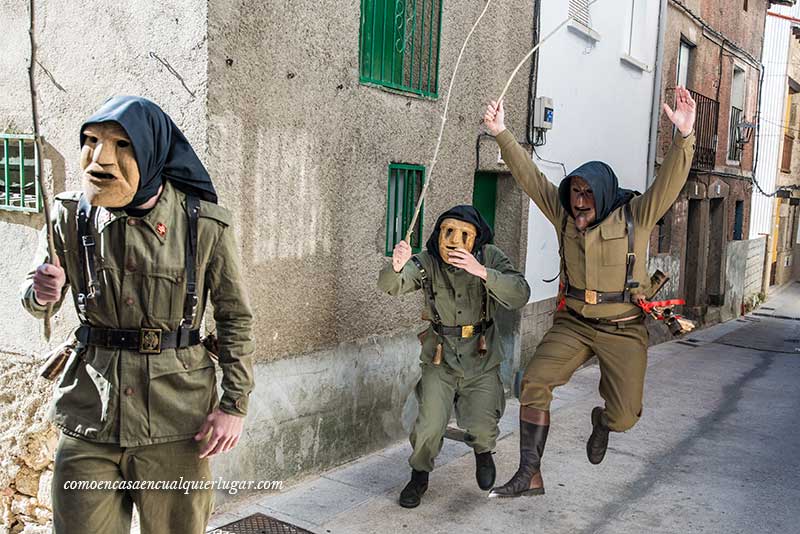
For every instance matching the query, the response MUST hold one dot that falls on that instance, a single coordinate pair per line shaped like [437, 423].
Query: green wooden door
[484, 195]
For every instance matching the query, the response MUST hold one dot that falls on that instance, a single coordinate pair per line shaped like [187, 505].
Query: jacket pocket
[614, 243]
[165, 297]
[182, 391]
[82, 395]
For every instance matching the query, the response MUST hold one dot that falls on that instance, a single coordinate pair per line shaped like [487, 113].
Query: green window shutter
[399, 45]
[20, 184]
[405, 186]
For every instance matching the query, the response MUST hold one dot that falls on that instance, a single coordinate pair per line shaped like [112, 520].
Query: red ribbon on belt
[650, 307]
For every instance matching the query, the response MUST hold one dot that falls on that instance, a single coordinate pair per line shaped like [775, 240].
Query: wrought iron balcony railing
[735, 148]
[705, 131]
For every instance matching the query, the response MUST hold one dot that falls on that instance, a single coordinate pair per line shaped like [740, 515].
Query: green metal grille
[400, 44]
[405, 186]
[20, 184]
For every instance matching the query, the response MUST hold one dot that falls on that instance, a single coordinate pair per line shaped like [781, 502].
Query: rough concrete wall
[325, 408]
[754, 270]
[295, 137]
[735, 278]
[537, 318]
[670, 265]
[89, 59]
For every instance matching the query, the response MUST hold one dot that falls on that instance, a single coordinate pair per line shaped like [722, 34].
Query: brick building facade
[713, 48]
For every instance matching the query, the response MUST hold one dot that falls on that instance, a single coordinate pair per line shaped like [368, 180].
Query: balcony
[705, 126]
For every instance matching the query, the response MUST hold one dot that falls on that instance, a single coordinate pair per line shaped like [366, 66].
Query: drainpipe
[534, 74]
[655, 110]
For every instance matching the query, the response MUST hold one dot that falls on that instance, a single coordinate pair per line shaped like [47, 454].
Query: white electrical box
[543, 113]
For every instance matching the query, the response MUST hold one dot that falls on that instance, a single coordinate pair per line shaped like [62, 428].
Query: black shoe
[484, 470]
[414, 490]
[528, 478]
[598, 441]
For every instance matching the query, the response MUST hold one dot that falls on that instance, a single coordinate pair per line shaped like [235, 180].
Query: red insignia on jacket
[161, 229]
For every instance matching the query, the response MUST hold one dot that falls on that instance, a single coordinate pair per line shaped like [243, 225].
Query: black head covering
[608, 195]
[162, 151]
[462, 213]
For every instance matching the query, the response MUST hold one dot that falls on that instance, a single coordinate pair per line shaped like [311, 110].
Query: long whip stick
[51, 248]
[502, 95]
[441, 128]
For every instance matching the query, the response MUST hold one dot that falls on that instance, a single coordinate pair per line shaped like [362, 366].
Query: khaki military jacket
[596, 258]
[125, 397]
[459, 296]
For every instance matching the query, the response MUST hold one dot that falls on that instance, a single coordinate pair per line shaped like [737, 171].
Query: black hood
[462, 213]
[608, 195]
[162, 151]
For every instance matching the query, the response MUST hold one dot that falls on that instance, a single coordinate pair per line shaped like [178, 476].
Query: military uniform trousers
[161, 511]
[621, 351]
[479, 403]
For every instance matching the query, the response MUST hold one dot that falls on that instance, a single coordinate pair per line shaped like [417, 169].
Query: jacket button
[129, 301]
[128, 391]
[458, 295]
[132, 222]
[179, 278]
[459, 312]
[130, 266]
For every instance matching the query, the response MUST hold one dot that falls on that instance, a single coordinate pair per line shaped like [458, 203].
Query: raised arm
[543, 192]
[656, 201]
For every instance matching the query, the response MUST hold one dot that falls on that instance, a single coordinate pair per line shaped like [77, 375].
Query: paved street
[717, 450]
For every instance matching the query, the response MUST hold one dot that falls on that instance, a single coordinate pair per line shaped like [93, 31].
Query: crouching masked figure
[465, 279]
[603, 233]
[141, 247]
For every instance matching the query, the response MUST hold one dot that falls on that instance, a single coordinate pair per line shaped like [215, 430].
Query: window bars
[399, 45]
[20, 184]
[405, 186]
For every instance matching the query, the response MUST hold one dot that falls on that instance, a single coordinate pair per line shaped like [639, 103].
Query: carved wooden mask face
[455, 234]
[110, 171]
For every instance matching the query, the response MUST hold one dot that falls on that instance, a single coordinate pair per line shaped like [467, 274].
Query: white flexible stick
[441, 128]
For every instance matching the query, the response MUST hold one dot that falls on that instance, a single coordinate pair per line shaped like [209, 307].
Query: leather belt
[468, 330]
[144, 341]
[590, 296]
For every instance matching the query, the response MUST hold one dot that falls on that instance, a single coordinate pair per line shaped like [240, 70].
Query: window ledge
[584, 31]
[635, 63]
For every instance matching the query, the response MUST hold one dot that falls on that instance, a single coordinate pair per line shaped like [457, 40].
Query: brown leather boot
[533, 427]
[598, 442]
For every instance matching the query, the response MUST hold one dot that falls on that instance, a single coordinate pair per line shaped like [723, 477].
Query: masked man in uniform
[141, 247]
[603, 235]
[465, 279]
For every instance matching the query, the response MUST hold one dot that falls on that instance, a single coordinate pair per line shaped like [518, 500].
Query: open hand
[225, 432]
[494, 118]
[464, 260]
[48, 281]
[400, 255]
[685, 110]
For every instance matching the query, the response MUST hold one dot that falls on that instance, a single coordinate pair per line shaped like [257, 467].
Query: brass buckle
[467, 330]
[150, 341]
[590, 296]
